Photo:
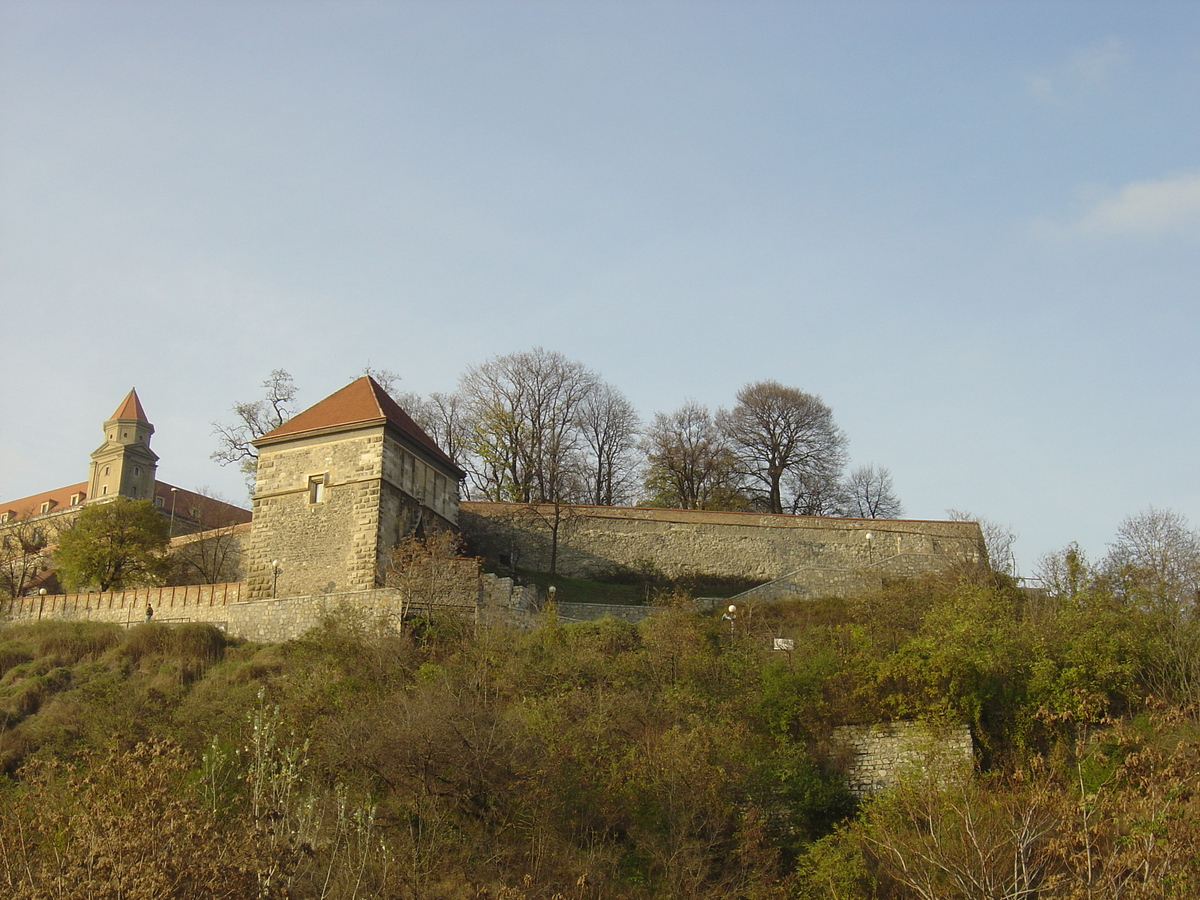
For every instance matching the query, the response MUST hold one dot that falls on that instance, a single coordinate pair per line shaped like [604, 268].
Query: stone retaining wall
[875, 757]
[271, 620]
[825, 555]
[587, 612]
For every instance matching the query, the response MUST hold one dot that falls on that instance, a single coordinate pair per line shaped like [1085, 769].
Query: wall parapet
[229, 607]
[126, 606]
[837, 555]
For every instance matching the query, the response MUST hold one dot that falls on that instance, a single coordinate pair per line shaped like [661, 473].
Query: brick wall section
[826, 555]
[875, 757]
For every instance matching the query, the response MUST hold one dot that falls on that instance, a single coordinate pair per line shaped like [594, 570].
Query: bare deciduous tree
[522, 408]
[426, 572]
[208, 557]
[609, 426]
[1157, 557]
[253, 419]
[869, 494]
[997, 538]
[1154, 564]
[690, 462]
[25, 545]
[444, 418]
[777, 430]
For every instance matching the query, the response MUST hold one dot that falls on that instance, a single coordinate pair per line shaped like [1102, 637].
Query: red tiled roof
[211, 513]
[60, 498]
[131, 408]
[361, 402]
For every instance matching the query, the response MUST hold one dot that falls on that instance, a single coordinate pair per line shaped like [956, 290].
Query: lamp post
[731, 615]
[274, 578]
[174, 494]
[41, 602]
[870, 554]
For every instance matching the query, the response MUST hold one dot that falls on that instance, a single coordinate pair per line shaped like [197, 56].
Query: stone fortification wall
[192, 602]
[588, 612]
[217, 554]
[324, 543]
[875, 757]
[825, 555]
[227, 606]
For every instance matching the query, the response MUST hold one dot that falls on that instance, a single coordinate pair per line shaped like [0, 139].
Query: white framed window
[316, 488]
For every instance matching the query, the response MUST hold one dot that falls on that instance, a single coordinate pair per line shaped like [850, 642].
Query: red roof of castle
[131, 408]
[361, 402]
[210, 512]
[59, 498]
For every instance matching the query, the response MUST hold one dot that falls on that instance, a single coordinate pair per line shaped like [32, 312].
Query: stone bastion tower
[337, 487]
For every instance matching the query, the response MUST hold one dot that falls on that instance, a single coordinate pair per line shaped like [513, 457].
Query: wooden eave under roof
[361, 403]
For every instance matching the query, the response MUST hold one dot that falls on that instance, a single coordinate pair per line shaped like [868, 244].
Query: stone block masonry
[226, 606]
[824, 555]
[876, 757]
[316, 512]
[189, 603]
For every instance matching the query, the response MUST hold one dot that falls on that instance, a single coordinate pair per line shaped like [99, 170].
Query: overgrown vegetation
[678, 758]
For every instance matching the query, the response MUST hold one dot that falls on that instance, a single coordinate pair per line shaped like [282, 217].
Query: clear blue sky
[972, 228]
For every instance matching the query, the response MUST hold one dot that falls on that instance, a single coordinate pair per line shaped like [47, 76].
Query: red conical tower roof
[131, 408]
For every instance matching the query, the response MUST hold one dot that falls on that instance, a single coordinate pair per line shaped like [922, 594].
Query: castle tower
[124, 465]
[337, 486]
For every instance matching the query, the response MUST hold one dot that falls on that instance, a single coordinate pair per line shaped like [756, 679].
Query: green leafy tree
[113, 546]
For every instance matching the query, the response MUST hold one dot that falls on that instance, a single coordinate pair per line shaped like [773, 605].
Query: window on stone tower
[137, 470]
[316, 488]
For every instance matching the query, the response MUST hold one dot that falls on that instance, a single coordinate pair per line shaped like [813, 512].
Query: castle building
[122, 466]
[337, 487]
[340, 484]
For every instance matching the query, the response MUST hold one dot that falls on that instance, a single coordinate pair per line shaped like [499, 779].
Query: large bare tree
[25, 545]
[869, 494]
[524, 434]
[690, 464]
[778, 431]
[609, 426]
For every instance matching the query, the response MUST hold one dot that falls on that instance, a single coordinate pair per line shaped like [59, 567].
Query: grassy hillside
[677, 758]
